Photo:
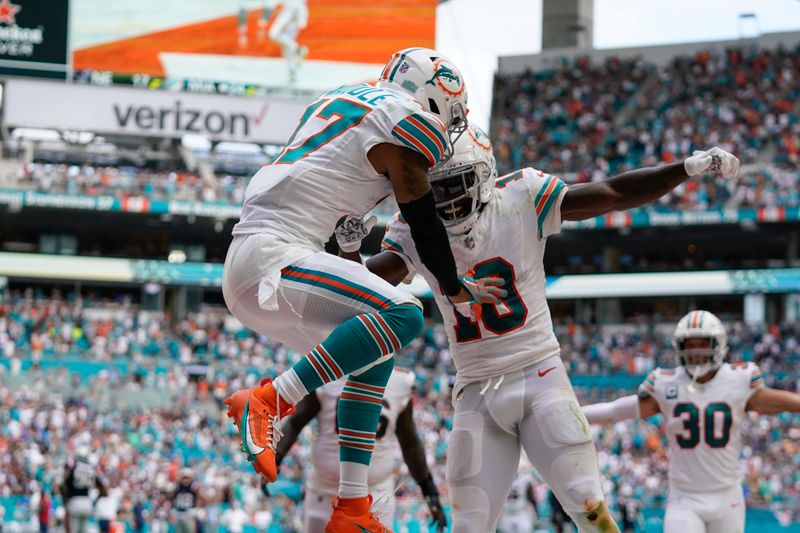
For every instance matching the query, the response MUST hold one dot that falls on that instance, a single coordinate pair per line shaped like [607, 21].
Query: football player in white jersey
[292, 18]
[519, 513]
[511, 388]
[703, 401]
[354, 146]
[397, 418]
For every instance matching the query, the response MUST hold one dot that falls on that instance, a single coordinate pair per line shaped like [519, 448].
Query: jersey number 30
[341, 115]
[499, 319]
[715, 434]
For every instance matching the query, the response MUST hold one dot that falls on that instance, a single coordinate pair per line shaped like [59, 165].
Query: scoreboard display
[242, 47]
[33, 38]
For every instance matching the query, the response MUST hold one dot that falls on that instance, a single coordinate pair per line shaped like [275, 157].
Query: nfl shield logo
[672, 392]
[404, 68]
[469, 242]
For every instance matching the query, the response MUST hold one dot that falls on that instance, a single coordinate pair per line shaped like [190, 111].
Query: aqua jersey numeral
[718, 437]
[691, 424]
[499, 319]
[717, 422]
[341, 116]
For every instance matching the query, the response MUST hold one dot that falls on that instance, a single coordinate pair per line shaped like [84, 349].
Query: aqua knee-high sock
[358, 414]
[352, 345]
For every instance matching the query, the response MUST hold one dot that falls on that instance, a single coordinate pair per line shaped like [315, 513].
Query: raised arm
[642, 186]
[768, 401]
[414, 456]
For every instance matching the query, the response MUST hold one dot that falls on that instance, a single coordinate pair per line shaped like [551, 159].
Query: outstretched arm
[414, 456]
[768, 401]
[641, 186]
[625, 408]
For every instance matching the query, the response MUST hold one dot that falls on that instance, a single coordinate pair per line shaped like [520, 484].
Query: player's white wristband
[620, 409]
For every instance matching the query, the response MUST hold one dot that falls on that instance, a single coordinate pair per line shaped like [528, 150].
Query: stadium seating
[135, 400]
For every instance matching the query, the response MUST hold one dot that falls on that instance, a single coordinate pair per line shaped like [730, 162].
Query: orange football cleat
[257, 413]
[353, 515]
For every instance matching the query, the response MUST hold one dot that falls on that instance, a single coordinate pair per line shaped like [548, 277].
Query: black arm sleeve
[431, 240]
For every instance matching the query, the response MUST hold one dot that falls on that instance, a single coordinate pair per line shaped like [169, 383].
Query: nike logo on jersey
[247, 437]
[543, 373]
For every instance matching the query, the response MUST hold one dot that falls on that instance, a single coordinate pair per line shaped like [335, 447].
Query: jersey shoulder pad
[397, 231]
[751, 372]
[422, 132]
[408, 378]
[648, 386]
[402, 382]
[656, 380]
[537, 194]
[397, 239]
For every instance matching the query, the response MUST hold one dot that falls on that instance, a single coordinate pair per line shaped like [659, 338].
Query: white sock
[353, 480]
[289, 387]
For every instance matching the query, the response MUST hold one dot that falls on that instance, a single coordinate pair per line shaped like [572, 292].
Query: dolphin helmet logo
[446, 73]
[447, 78]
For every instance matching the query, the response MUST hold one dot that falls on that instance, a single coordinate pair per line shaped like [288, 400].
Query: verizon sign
[38, 104]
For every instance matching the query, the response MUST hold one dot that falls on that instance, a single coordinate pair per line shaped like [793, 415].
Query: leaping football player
[704, 402]
[511, 388]
[292, 18]
[354, 146]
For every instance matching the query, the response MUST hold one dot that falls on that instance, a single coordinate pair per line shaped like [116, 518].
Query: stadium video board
[212, 46]
[33, 38]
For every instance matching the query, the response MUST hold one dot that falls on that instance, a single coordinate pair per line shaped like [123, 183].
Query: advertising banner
[124, 110]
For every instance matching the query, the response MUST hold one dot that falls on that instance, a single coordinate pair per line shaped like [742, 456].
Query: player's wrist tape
[428, 487]
[431, 241]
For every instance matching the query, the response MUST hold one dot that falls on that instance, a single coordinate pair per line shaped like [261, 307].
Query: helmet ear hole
[434, 108]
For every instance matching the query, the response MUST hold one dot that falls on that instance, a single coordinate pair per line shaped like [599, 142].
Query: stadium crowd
[186, 367]
[54, 324]
[585, 121]
[129, 182]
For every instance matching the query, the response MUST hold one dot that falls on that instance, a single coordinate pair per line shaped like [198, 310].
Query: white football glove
[487, 290]
[714, 160]
[352, 231]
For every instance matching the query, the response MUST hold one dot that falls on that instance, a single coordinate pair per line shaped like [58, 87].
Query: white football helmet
[465, 182]
[700, 325]
[433, 81]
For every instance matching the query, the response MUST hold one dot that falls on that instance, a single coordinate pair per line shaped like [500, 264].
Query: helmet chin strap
[691, 389]
[696, 377]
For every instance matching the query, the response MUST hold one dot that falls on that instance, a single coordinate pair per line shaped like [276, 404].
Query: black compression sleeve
[431, 240]
[428, 487]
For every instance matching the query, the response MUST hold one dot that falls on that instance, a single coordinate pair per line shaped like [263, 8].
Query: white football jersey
[508, 240]
[704, 427]
[325, 449]
[323, 173]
